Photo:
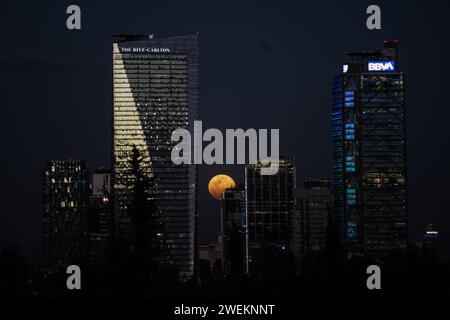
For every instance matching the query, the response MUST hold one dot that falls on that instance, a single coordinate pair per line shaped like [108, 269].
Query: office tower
[428, 243]
[309, 219]
[155, 89]
[233, 232]
[430, 235]
[369, 156]
[269, 203]
[101, 182]
[100, 219]
[64, 201]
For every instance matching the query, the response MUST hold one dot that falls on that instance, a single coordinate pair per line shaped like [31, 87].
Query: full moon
[218, 184]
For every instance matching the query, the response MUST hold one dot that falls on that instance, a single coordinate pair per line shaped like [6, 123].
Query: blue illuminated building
[369, 152]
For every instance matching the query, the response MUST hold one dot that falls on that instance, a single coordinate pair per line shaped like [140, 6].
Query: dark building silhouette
[100, 219]
[233, 232]
[210, 260]
[269, 203]
[369, 152]
[155, 89]
[65, 204]
[428, 243]
[309, 219]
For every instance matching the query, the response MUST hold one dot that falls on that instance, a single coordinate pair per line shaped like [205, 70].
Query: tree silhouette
[13, 273]
[332, 240]
[334, 268]
[147, 226]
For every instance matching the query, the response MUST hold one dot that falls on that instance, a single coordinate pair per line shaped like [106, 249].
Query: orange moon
[218, 184]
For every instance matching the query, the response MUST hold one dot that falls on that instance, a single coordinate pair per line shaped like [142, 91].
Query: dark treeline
[407, 275]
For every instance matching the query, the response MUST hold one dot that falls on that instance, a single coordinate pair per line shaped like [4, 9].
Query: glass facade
[155, 91]
[65, 203]
[269, 203]
[369, 154]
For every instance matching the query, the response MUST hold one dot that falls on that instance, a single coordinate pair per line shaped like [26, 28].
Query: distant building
[234, 232]
[101, 182]
[65, 203]
[369, 152]
[428, 243]
[100, 219]
[269, 203]
[309, 219]
[210, 260]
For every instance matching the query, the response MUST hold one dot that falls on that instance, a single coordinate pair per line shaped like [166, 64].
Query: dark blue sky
[263, 65]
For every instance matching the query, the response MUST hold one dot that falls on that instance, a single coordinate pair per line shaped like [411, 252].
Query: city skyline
[307, 152]
[130, 91]
[278, 229]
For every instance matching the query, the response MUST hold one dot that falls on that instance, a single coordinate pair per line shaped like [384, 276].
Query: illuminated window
[352, 230]
[351, 196]
[349, 93]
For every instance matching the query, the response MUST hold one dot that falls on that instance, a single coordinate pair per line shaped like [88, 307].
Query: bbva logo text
[381, 66]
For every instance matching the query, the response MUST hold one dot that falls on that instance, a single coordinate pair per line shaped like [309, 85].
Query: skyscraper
[155, 88]
[369, 152]
[64, 201]
[269, 203]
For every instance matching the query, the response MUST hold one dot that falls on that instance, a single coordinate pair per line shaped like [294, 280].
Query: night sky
[262, 65]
